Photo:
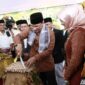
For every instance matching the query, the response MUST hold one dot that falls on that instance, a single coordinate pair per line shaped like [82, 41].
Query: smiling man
[42, 42]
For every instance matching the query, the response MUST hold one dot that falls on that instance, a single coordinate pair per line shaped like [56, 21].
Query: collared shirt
[5, 41]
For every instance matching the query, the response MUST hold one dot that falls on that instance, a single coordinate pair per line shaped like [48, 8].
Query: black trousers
[1, 81]
[48, 78]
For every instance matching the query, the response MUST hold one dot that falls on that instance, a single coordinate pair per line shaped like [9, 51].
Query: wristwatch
[66, 82]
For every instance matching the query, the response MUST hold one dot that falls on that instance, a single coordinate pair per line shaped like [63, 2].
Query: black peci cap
[36, 18]
[19, 22]
[48, 19]
[2, 21]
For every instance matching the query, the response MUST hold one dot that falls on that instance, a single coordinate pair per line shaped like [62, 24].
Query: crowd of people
[57, 54]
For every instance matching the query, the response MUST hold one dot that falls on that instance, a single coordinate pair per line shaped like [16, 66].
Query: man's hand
[19, 49]
[31, 61]
[66, 81]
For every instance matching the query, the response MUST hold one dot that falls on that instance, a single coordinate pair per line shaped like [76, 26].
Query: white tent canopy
[7, 6]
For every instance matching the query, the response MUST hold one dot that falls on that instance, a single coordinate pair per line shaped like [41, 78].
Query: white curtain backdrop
[7, 6]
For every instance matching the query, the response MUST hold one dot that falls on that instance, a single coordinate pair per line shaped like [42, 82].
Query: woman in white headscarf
[75, 46]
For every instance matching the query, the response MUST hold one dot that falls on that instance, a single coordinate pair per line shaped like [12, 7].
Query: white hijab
[74, 18]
